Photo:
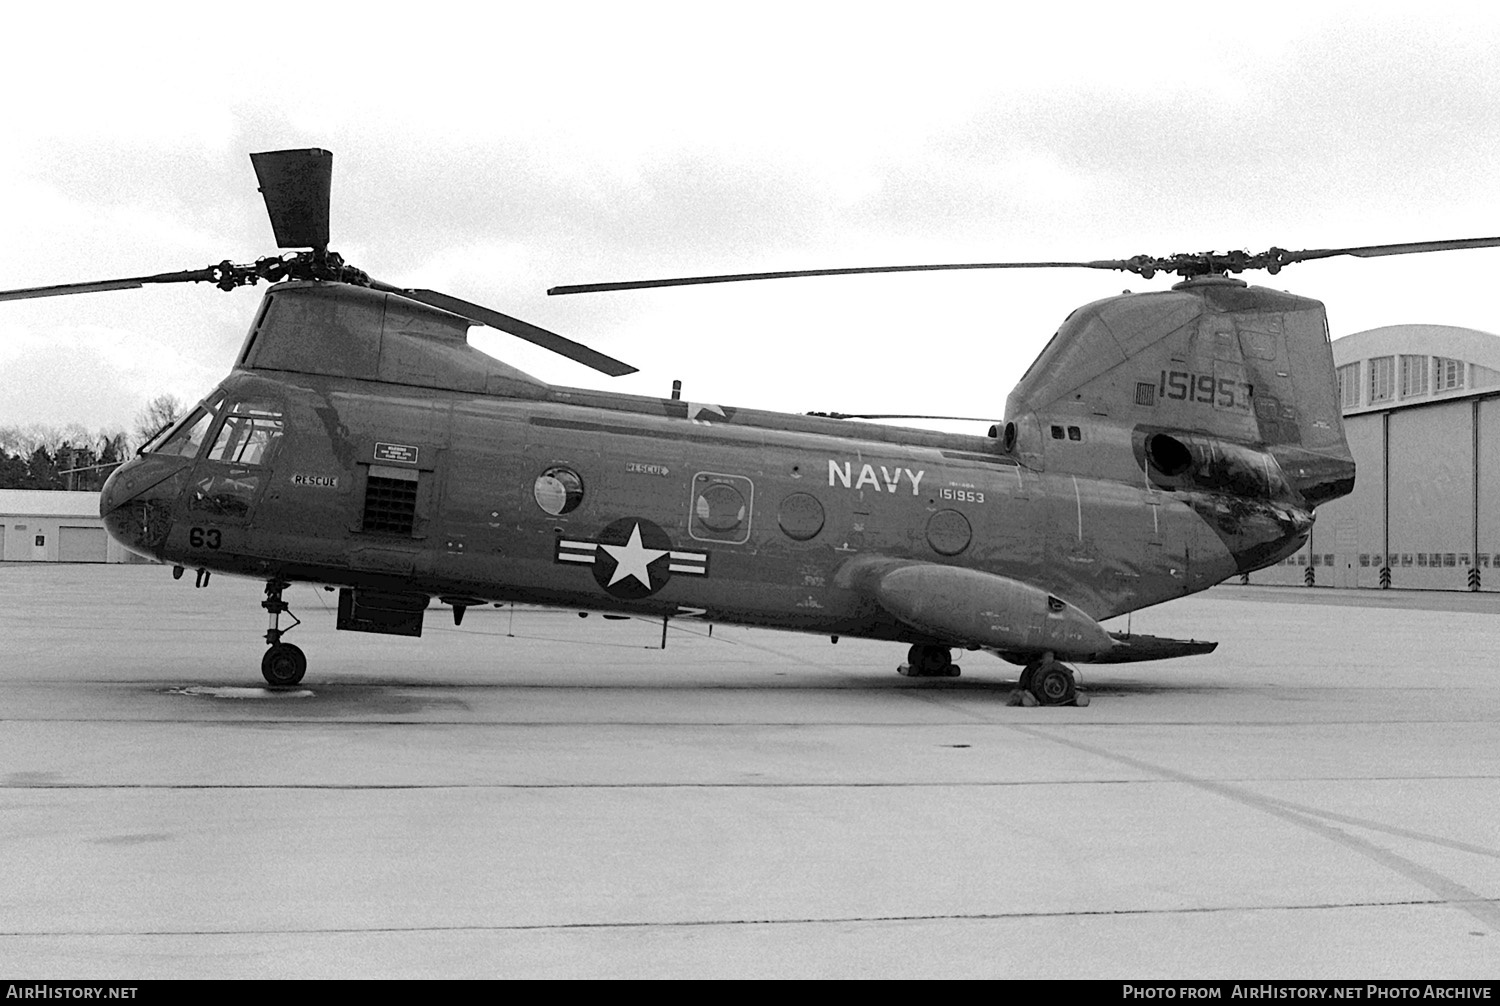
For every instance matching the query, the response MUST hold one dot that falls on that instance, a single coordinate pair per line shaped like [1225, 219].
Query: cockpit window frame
[165, 435]
[249, 422]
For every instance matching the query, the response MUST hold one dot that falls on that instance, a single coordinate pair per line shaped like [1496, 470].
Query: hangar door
[80, 544]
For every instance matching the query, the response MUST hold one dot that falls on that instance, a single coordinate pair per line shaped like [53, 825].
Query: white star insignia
[632, 558]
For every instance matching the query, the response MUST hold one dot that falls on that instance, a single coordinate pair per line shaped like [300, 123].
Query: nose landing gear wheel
[283, 665]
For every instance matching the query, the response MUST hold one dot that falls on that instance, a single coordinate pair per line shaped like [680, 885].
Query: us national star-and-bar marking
[631, 558]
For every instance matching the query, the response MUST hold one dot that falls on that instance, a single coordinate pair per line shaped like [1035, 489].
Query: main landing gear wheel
[1051, 684]
[927, 661]
[283, 665]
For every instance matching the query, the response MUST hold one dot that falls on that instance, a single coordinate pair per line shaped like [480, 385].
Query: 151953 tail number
[1223, 392]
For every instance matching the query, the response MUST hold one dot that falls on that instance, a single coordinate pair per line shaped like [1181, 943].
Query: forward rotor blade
[297, 185]
[135, 283]
[1408, 248]
[646, 284]
[534, 334]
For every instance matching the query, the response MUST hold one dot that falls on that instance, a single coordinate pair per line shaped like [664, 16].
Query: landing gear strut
[284, 664]
[927, 661]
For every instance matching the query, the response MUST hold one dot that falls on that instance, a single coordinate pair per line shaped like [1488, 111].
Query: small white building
[42, 526]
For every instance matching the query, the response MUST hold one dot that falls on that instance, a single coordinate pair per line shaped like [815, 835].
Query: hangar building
[43, 526]
[1421, 406]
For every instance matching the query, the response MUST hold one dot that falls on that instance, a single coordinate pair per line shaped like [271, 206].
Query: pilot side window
[251, 429]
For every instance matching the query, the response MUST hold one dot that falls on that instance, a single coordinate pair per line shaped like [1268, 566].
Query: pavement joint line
[797, 921]
[1310, 819]
[894, 784]
[1450, 891]
[1321, 727]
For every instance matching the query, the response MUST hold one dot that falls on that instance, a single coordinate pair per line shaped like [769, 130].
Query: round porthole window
[801, 516]
[948, 532]
[720, 507]
[558, 491]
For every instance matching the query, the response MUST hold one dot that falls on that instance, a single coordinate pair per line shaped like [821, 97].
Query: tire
[930, 661]
[1053, 685]
[283, 665]
[1028, 674]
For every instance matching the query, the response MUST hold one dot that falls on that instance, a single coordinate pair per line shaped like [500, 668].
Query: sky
[492, 151]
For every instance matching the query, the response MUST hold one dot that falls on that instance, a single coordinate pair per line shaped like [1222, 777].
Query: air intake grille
[390, 505]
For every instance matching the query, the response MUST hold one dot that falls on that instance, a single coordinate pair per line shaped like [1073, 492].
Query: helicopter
[1162, 442]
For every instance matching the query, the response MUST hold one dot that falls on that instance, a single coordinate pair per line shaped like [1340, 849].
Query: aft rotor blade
[534, 334]
[134, 283]
[647, 284]
[297, 185]
[896, 415]
[1407, 248]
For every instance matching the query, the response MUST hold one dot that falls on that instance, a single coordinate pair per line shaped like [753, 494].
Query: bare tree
[26, 439]
[160, 412]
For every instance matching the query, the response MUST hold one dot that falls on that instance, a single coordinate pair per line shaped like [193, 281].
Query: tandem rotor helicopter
[1162, 442]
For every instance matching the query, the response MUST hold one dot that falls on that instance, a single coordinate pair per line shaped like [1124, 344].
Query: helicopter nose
[136, 501]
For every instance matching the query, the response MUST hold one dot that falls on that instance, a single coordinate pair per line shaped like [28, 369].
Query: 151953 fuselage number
[961, 495]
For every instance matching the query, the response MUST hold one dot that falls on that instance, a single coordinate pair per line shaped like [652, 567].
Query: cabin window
[390, 500]
[948, 532]
[801, 516]
[1074, 433]
[225, 495]
[1057, 433]
[558, 491]
[720, 508]
[251, 429]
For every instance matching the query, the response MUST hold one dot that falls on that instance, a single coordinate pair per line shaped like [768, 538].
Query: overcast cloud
[493, 151]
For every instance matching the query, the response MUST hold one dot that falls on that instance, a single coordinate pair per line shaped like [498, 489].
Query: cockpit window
[186, 437]
[250, 431]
